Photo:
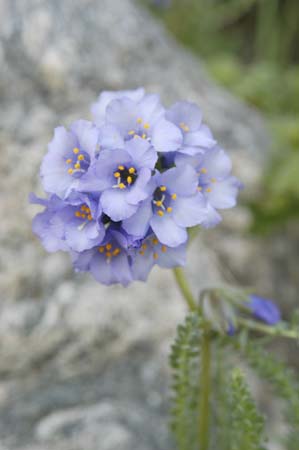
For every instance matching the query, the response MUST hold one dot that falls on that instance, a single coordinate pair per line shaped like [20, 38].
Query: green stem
[205, 379]
[184, 288]
[272, 331]
[205, 383]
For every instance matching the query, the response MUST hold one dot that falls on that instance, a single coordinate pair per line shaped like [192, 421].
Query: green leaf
[247, 424]
[185, 362]
[285, 385]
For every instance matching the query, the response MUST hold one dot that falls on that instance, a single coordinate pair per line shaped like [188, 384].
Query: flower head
[69, 157]
[122, 191]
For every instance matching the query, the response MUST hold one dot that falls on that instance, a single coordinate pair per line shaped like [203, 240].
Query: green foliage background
[235, 421]
[252, 48]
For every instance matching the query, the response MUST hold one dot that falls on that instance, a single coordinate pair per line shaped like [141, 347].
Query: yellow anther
[184, 126]
[144, 246]
[89, 217]
[208, 189]
[77, 165]
[129, 180]
[131, 170]
[116, 174]
[121, 168]
[108, 254]
[160, 213]
[116, 251]
[213, 180]
[68, 161]
[139, 120]
[203, 170]
[163, 188]
[80, 157]
[83, 208]
[122, 186]
[146, 125]
[169, 209]
[131, 132]
[83, 215]
[159, 203]
[141, 252]
[70, 171]
[155, 255]
[163, 248]
[199, 188]
[108, 246]
[136, 136]
[143, 136]
[77, 214]
[173, 196]
[101, 249]
[76, 150]
[155, 241]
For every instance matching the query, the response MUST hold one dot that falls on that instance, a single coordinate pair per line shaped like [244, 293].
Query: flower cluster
[122, 190]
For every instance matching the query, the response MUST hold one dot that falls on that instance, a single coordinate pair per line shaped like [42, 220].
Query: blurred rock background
[83, 366]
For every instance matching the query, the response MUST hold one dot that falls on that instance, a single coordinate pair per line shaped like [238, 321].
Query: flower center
[140, 130]
[204, 185]
[162, 201]
[84, 213]
[78, 163]
[125, 176]
[154, 244]
[109, 251]
[184, 127]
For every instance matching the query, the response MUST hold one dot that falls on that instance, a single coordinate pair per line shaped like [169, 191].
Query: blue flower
[264, 309]
[133, 114]
[121, 192]
[151, 251]
[196, 136]
[173, 206]
[69, 158]
[98, 109]
[68, 226]
[109, 263]
[215, 181]
[122, 177]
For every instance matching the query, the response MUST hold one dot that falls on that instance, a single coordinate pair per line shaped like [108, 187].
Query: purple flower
[98, 109]
[264, 309]
[65, 226]
[150, 252]
[122, 176]
[174, 205]
[215, 181]
[134, 114]
[196, 136]
[69, 158]
[109, 263]
[122, 192]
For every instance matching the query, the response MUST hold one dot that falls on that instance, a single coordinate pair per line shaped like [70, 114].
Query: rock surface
[84, 366]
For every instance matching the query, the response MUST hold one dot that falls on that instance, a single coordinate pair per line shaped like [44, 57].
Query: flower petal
[181, 180]
[186, 114]
[115, 205]
[189, 211]
[167, 231]
[138, 223]
[166, 137]
[223, 194]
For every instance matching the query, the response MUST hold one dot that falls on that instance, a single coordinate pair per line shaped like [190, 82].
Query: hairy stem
[205, 383]
[267, 329]
[205, 376]
[184, 288]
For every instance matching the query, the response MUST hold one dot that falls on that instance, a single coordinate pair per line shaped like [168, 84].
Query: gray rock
[84, 366]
